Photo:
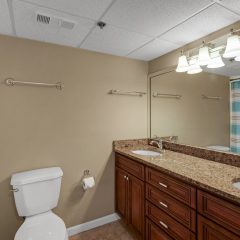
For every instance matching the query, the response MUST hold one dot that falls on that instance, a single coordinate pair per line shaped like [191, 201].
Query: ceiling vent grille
[67, 24]
[43, 19]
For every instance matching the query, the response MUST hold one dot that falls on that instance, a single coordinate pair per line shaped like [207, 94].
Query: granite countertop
[212, 176]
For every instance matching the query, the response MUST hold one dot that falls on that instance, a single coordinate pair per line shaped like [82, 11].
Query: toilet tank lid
[36, 175]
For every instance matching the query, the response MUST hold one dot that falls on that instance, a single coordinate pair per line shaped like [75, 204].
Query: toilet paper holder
[88, 180]
[86, 173]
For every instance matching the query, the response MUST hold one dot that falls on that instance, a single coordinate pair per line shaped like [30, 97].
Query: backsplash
[222, 157]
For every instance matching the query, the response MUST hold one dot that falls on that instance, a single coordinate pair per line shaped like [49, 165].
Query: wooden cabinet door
[207, 230]
[220, 211]
[136, 203]
[121, 193]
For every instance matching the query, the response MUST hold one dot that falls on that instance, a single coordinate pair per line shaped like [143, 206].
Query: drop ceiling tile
[153, 50]
[206, 22]
[151, 17]
[232, 4]
[5, 21]
[92, 9]
[27, 27]
[114, 41]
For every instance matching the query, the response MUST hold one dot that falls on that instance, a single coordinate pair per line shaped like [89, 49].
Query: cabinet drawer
[173, 207]
[208, 230]
[179, 190]
[220, 211]
[135, 168]
[176, 230]
[153, 232]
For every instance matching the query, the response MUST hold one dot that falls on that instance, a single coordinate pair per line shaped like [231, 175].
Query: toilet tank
[36, 191]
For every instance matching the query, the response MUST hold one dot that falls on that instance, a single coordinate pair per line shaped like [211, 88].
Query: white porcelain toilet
[36, 193]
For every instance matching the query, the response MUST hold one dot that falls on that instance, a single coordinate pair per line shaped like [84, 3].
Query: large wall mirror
[201, 109]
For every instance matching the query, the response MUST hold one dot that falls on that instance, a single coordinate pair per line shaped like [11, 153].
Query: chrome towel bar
[12, 82]
[211, 97]
[133, 93]
[166, 95]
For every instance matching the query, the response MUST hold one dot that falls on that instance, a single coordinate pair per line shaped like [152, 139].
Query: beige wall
[73, 128]
[196, 121]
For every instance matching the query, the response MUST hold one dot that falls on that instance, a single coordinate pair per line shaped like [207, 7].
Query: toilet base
[44, 226]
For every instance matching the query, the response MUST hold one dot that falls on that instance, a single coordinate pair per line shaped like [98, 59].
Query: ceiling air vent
[43, 19]
[67, 24]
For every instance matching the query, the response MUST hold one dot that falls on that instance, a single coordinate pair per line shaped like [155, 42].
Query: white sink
[146, 153]
[237, 184]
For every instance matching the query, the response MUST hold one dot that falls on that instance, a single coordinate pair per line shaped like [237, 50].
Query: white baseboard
[92, 224]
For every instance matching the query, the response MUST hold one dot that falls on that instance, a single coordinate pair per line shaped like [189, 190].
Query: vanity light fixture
[210, 54]
[215, 61]
[183, 65]
[233, 46]
[203, 56]
[194, 67]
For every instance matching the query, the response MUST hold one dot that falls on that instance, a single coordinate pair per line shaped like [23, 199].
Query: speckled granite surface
[222, 157]
[209, 175]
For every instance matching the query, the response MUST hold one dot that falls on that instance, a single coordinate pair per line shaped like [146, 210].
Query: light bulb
[194, 67]
[203, 56]
[233, 47]
[182, 64]
[215, 61]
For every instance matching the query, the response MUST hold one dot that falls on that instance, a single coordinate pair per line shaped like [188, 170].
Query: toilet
[36, 193]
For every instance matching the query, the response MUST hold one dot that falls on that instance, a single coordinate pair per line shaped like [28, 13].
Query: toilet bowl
[36, 193]
[45, 226]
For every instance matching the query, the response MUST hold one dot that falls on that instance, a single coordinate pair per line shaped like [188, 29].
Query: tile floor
[112, 231]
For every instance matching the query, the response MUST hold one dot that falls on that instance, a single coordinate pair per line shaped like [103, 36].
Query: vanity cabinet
[171, 209]
[208, 230]
[130, 192]
[170, 205]
[223, 215]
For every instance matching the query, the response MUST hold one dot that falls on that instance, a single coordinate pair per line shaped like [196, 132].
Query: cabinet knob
[126, 177]
[163, 224]
[163, 185]
[163, 204]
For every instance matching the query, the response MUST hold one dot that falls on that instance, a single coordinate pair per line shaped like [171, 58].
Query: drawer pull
[163, 185]
[163, 204]
[163, 224]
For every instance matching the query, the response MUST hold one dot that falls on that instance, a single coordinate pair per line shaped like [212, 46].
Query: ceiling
[140, 29]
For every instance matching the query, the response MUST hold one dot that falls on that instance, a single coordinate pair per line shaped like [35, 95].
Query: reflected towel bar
[166, 95]
[211, 97]
[133, 93]
[12, 82]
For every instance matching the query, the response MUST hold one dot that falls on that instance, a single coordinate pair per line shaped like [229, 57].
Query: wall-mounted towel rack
[133, 93]
[12, 82]
[166, 95]
[211, 97]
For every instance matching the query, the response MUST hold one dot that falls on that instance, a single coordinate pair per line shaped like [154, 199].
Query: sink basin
[237, 184]
[146, 153]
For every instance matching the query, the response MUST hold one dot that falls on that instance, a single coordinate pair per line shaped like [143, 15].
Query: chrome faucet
[157, 142]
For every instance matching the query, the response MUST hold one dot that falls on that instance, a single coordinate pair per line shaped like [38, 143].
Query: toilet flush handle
[14, 190]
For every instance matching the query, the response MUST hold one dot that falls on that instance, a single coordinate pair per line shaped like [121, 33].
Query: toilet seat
[45, 226]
